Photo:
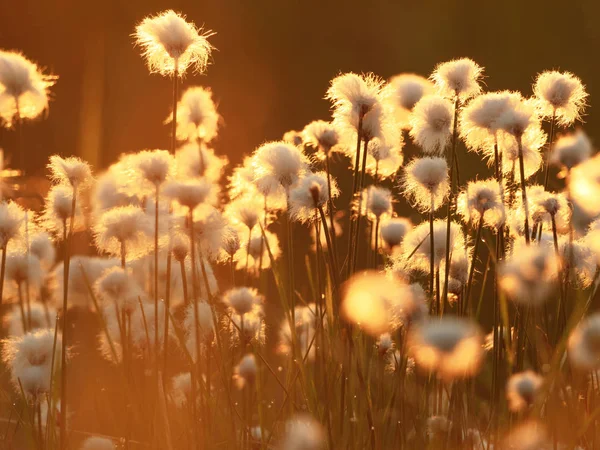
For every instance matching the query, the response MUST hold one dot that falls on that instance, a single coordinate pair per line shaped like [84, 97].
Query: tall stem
[472, 268]
[450, 199]
[360, 200]
[354, 186]
[550, 142]
[523, 189]
[156, 194]
[174, 117]
[63, 356]
[431, 256]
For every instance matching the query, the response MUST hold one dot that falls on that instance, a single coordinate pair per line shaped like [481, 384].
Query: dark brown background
[274, 61]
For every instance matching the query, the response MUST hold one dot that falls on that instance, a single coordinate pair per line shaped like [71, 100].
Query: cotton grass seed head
[242, 300]
[451, 347]
[417, 243]
[425, 183]
[431, 124]
[570, 150]
[23, 87]
[196, 160]
[482, 200]
[245, 371]
[584, 344]
[154, 166]
[459, 77]
[393, 230]
[359, 93]
[11, 219]
[560, 95]
[311, 193]
[521, 390]
[528, 276]
[126, 225]
[71, 171]
[375, 202]
[277, 164]
[197, 116]
[321, 135]
[376, 302]
[479, 121]
[584, 186]
[402, 93]
[302, 432]
[171, 45]
[188, 193]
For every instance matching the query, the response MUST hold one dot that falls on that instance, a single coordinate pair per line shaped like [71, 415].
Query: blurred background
[274, 61]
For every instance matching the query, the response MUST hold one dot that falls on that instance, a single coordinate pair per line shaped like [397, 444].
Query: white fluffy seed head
[71, 171]
[479, 121]
[245, 371]
[584, 186]
[321, 135]
[459, 77]
[23, 87]
[189, 193]
[311, 193]
[153, 166]
[518, 116]
[402, 93]
[482, 200]
[197, 116]
[11, 219]
[571, 149]
[302, 432]
[277, 164]
[451, 347]
[425, 183]
[522, 389]
[358, 92]
[376, 202]
[584, 344]
[171, 45]
[242, 300]
[560, 95]
[431, 123]
[393, 231]
[196, 160]
[126, 226]
[528, 276]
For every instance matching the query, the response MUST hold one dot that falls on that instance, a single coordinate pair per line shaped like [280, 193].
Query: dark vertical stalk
[174, 117]
[550, 142]
[523, 190]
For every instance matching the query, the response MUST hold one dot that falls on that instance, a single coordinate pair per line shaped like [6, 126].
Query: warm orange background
[274, 61]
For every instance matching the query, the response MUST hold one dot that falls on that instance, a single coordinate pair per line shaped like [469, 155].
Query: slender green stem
[523, 190]
[550, 142]
[473, 263]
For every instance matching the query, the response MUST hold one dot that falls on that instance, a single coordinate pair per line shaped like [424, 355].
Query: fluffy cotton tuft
[584, 186]
[418, 238]
[560, 95]
[431, 124]
[303, 433]
[521, 390]
[172, 45]
[188, 193]
[482, 200]
[451, 347]
[425, 182]
[277, 164]
[376, 202]
[359, 92]
[126, 225]
[154, 166]
[321, 135]
[312, 192]
[393, 230]
[197, 116]
[245, 371]
[23, 87]
[242, 300]
[402, 93]
[529, 275]
[571, 149]
[71, 171]
[584, 344]
[459, 77]
[11, 219]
